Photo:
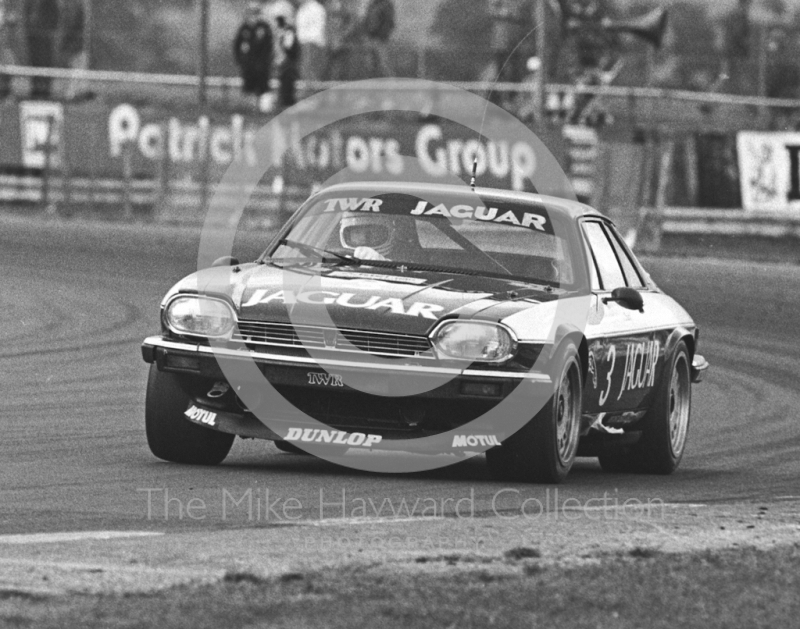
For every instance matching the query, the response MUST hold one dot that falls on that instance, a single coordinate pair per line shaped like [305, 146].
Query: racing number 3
[610, 356]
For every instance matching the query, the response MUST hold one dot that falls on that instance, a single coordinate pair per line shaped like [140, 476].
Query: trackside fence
[666, 162]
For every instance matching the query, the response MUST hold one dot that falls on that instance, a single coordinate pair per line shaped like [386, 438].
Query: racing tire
[664, 428]
[170, 435]
[544, 450]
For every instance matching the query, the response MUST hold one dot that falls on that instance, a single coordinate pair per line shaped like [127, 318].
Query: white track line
[72, 536]
[367, 520]
[620, 506]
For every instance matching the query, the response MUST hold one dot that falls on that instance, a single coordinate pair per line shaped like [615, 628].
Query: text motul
[202, 416]
[465, 441]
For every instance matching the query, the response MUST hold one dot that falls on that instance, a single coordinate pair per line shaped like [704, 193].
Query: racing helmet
[389, 236]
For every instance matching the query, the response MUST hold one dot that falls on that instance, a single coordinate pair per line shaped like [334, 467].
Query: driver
[380, 237]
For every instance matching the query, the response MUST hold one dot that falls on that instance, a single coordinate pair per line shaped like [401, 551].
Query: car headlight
[200, 316]
[474, 341]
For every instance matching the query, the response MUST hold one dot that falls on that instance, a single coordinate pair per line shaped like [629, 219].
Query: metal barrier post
[50, 207]
[204, 163]
[652, 226]
[66, 174]
[127, 181]
[92, 193]
[164, 176]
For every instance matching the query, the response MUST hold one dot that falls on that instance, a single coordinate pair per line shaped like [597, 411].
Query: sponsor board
[352, 205]
[42, 128]
[640, 366]
[439, 150]
[769, 170]
[183, 142]
[201, 416]
[391, 305]
[474, 441]
[325, 379]
[103, 138]
[339, 437]
[639, 371]
[512, 215]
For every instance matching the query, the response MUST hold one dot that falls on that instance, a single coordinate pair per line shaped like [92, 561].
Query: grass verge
[640, 588]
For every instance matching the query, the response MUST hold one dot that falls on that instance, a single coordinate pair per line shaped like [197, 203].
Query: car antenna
[473, 179]
[474, 171]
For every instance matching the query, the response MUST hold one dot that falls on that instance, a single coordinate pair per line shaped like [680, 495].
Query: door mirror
[626, 297]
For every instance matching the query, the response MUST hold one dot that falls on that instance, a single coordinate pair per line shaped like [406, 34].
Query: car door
[624, 350]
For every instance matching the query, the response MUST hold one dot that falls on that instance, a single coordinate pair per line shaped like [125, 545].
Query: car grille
[287, 335]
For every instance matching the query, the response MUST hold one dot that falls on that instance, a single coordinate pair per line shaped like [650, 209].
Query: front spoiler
[247, 426]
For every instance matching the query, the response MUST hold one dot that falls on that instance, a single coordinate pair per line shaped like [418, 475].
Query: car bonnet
[377, 299]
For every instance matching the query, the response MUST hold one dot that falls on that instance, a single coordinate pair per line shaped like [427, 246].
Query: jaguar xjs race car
[392, 316]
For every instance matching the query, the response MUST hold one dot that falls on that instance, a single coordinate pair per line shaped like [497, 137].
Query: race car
[429, 318]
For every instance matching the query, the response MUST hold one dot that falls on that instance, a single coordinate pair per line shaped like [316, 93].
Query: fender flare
[681, 333]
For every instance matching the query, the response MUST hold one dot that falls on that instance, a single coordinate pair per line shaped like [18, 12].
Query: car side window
[631, 274]
[593, 277]
[611, 275]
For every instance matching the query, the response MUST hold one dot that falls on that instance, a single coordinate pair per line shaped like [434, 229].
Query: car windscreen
[514, 239]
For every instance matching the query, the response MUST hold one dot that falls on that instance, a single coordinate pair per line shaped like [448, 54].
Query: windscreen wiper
[448, 230]
[302, 246]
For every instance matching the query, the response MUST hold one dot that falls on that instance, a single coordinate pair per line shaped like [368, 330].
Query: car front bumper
[159, 350]
[378, 404]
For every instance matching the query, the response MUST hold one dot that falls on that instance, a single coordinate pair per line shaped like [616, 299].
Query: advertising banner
[97, 140]
[769, 170]
[373, 149]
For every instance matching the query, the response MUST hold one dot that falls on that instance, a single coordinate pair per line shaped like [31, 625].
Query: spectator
[41, 21]
[273, 9]
[289, 62]
[7, 56]
[338, 35]
[311, 19]
[529, 100]
[253, 50]
[72, 47]
[73, 30]
[379, 25]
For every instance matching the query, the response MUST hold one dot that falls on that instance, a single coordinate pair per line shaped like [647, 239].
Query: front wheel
[665, 427]
[170, 435]
[543, 450]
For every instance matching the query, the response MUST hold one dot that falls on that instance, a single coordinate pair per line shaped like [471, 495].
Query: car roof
[566, 207]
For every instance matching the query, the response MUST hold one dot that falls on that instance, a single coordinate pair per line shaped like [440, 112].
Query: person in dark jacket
[252, 49]
[8, 55]
[41, 27]
[289, 63]
[379, 23]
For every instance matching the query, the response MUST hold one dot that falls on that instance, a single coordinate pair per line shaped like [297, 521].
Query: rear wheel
[170, 435]
[665, 427]
[543, 451]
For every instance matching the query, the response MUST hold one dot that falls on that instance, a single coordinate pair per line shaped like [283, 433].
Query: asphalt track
[78, 298]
